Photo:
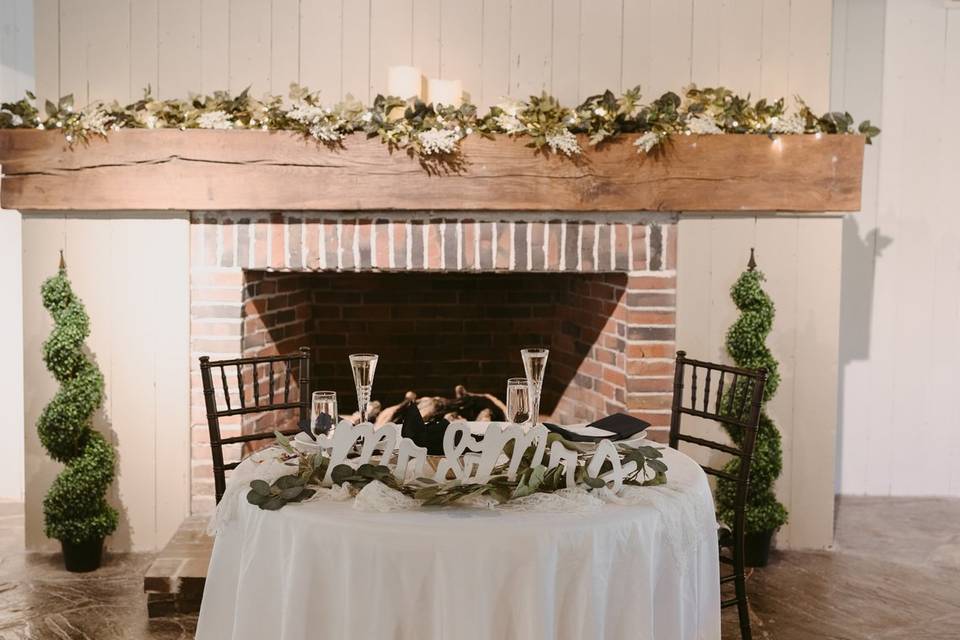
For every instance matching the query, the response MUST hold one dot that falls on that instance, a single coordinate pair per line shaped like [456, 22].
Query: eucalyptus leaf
[304, 495]
[256, 498]
[273, 503]
[340, 473]
[260, 487]
[594, 483]
[657, 465]
[285, 482]
[284, 442]
[291, 493]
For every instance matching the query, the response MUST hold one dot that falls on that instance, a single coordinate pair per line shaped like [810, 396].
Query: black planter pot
[756, 548]
[82, 557]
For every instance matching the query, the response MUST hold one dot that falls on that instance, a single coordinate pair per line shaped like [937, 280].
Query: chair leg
[743, 607]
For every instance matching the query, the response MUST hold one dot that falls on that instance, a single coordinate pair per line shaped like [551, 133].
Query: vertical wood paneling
[73, 53]
[857, 86]
[16, 49]
[171, 346]
[250, 46]
[776, 243]
[809, 47]
[425, 46]
[131, 360]
[179, 49]
[391, 29]
[44, 235]
[461, 45]
[566, 74]
[601, 47]
[916, 49]
[705, 56]
[355, 56]
[947, 312]
[774, 56]
[144, 22]
[46, 46]
[108, 49]
[215, 45]
[530, 47]
[496, 52]
[284, 45]
[11, 366]
[321, 24]
[635, 47]
[741, 30]
[670, 37]
[815, 382]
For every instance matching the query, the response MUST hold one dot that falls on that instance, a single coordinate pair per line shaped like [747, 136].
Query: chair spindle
[226, 387]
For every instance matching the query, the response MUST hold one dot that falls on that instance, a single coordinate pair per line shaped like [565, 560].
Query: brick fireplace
[446, 300]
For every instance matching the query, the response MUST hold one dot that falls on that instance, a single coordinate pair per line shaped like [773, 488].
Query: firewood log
[388, 414]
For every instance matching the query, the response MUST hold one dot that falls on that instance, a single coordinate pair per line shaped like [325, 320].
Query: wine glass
[323, 411]
[364, 366]
[518, 400]
[535, 364]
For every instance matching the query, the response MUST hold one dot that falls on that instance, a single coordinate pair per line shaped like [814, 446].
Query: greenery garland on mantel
[436, 130]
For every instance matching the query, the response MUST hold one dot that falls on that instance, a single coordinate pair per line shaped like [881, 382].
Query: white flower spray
[563, 141]
[215, 120]
[647, 141]
[439, 141]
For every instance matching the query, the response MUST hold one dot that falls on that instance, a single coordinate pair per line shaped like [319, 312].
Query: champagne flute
[364, 366]
[323, 412]
[535, 365]
[518, 400]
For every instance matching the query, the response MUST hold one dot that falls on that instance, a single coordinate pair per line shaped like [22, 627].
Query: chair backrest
[251, 386]
[731, 396]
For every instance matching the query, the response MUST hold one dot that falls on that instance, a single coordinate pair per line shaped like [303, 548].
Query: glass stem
[363, 399]
[534, 405]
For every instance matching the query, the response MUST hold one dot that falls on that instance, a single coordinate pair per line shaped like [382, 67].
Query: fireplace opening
[435, 331]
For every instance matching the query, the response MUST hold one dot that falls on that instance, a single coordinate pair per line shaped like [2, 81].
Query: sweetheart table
[642, 564]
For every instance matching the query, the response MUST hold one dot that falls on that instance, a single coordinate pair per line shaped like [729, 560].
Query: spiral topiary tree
[746, 345]
[75, 509]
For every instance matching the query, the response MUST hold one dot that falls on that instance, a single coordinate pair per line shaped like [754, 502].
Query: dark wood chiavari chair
[246, 373]
[736, 402]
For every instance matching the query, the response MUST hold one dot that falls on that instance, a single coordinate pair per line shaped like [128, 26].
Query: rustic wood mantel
[213, 170]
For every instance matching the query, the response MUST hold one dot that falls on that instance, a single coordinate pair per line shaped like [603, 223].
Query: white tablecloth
[328, 570]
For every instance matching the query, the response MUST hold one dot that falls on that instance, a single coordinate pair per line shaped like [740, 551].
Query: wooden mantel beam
[213, 170]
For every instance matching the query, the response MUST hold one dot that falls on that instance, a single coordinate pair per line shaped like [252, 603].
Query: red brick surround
[467, 293]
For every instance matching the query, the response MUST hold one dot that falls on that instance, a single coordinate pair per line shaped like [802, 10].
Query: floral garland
[436, 130]
[500, 488]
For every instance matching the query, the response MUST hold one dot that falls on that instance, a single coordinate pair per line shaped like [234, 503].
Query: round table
[328, 570]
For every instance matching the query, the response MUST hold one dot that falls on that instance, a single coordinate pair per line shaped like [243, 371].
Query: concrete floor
[895, 575]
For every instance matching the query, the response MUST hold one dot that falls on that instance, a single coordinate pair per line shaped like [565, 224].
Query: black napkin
[621, 425]
[322, 426]
[424, 434]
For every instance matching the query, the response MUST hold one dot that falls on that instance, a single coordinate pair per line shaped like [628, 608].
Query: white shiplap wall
[572, 48]
[899, 64]
[16, 77]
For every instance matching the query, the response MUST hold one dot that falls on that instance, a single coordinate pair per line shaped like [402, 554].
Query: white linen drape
[641, 564]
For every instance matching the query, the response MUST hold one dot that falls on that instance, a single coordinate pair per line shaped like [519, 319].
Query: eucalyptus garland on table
[437, 130]
[529, 479]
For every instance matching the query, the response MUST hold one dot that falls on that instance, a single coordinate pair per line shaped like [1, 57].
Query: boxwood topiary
[75, 509]
[746, 345]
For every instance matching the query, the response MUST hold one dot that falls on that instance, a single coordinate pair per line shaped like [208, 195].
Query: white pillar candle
[404, 82]
[448, 92]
